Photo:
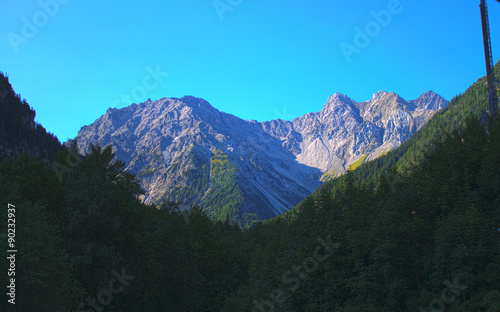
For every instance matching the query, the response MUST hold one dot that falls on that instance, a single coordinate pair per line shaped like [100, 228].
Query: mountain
[397, 232]
[19, 133]
[185, 150]
[473, 102]
[345, 132]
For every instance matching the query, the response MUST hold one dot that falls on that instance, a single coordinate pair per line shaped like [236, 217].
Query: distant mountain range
[185, 150]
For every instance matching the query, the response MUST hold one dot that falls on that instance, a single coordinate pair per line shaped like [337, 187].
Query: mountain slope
[399, 246]
[346, 131]
[19, 133]
[473, 102]
[187, 151]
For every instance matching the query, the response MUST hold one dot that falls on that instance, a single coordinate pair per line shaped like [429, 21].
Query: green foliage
[75, 234]
[417, 230]
[224, 197]
[395, 246]
[357, 163]
[145, 172]
[43, 267]
[472, 102]
[330, 175]
[196, 178]
[19, 133]
[400, 245]
[215, 181]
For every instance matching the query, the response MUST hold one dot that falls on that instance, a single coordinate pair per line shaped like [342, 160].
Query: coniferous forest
[416, 230]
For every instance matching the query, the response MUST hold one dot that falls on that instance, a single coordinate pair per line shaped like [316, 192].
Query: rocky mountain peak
[184, 149]
[430, 101]
[337, 99]
[379, 95]
[193, 102]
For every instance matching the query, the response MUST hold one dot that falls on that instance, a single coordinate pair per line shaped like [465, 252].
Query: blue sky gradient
[262, 60]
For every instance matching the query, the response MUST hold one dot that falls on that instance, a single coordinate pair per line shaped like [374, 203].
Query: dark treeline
[420, 240]
[428, 240]
[86, 243]
[19, 133]
[474, 101]
[420, 231]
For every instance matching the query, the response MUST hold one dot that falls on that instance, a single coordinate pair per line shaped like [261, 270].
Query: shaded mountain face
[19, 133]
[187, 151]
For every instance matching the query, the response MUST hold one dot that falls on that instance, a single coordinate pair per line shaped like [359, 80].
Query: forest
[416, 230]
[19, 133]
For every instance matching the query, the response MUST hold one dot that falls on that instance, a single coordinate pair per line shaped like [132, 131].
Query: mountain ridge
[181, 147]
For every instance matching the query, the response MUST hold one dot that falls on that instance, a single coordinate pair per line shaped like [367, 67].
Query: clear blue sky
[255, 59]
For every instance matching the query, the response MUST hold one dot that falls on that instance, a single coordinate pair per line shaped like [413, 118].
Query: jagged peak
[429, 93]
[379, 95]
[339, 96]
[165, 103]
[387, 96]
[193, 101]
[430, 100]
[337, 99]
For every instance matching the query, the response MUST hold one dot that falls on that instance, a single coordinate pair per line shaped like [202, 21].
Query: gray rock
[173, 145]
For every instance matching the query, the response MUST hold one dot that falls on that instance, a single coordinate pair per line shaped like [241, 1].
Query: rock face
[346, 131]
[187, 151]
